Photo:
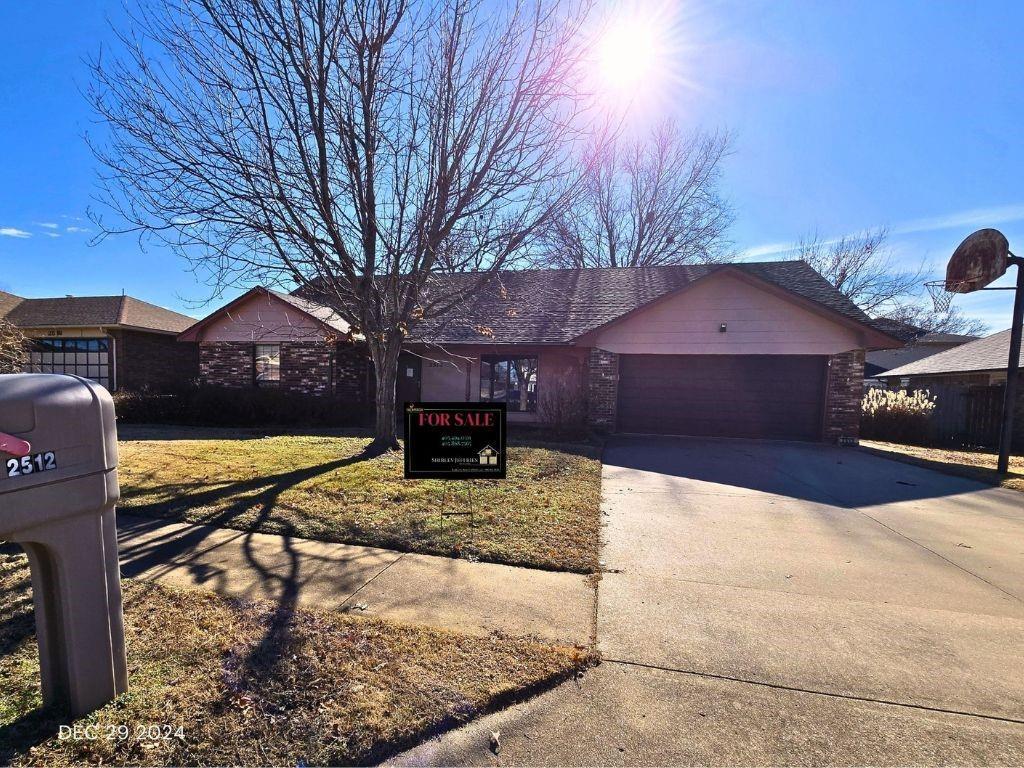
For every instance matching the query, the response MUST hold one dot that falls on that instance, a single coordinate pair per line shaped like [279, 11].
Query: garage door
[769, 396]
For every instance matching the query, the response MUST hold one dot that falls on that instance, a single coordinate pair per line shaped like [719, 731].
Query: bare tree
[13, 348]
[355, 149]
[863, 269]
[646, 202]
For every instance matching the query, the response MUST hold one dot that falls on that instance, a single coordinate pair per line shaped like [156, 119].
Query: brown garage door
[769, 396]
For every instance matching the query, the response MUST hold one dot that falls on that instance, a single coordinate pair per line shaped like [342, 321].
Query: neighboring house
[968, 384]
[118, 341]
[743, 350]
[919, 345]
[978, 363]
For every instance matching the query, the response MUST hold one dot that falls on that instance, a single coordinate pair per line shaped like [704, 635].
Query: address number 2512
[27, 465]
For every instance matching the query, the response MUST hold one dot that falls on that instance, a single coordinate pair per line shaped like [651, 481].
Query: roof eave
[192, 333]
[895, 372]
[872, 338]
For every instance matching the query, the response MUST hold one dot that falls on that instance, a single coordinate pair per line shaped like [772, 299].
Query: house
[981, 362]
[266, 338]
[741, 350]
[918, 345]
[968, 383]
[118, 341]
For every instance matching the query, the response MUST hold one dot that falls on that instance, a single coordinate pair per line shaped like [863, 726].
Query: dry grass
[545, 515]
[977, 465]
[248, 684]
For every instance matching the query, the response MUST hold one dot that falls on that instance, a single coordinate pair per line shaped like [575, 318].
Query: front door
[407, 388]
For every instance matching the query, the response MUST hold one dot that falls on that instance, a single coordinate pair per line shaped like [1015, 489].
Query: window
[88, 358]
[511, 380]
[267, 364]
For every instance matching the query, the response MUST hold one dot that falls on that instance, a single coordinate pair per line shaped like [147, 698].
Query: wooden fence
[971, 416]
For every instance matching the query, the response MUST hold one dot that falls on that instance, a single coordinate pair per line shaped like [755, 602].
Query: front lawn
[977, 465]
[545, 515]
[251, 683]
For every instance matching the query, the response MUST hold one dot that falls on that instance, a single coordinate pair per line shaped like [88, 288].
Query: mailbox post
[58, 488]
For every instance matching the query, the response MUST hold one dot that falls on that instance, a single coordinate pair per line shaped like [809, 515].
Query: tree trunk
[385, 367]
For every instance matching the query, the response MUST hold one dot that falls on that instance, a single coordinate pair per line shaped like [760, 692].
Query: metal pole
[1012, 365]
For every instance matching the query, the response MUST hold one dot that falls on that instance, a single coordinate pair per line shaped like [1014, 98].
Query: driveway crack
[811, 691]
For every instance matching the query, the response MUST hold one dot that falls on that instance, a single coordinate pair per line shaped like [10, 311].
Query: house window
[267, 364]
[511, 380]
[88, 358]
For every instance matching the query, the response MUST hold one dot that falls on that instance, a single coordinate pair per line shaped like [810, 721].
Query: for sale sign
[455, 441]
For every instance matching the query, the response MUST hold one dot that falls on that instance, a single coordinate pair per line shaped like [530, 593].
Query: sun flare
[637, 55]
[629, 54]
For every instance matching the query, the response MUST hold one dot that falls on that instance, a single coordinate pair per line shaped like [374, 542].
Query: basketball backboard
[977, 261]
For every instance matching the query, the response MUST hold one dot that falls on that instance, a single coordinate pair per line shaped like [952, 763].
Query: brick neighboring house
[117, 341]
[742, 350]
[981, 362]
[969, 383]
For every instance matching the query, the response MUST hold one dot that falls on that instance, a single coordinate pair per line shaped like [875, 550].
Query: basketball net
[941, 296]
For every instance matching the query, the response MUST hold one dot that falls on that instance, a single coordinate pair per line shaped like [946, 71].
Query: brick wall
[352, 372]
[313, 368]
[306, 367]
[602, 388]
[154, 361]
[226, 363]
[843, 395]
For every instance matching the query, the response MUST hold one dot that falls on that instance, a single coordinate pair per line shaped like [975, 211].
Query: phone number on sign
[121, 732]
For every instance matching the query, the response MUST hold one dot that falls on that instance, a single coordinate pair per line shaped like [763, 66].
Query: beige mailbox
[58, 488]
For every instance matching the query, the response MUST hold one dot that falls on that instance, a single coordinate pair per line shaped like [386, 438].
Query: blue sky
[847, 115]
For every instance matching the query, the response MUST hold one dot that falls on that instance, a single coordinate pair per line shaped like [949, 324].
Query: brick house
[969, 383]
[742, 350]
[269, 339]
[978, 362]
[118, 341]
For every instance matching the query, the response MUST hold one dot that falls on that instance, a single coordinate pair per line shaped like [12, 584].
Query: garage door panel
[775, 396]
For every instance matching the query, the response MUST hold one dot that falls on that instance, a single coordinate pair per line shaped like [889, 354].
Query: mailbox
[58, 488]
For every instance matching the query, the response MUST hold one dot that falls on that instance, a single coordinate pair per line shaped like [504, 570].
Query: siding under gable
[263, 318]
[758, 322]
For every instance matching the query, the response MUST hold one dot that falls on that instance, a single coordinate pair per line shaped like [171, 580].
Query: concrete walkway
[773, 603]
[454, 594]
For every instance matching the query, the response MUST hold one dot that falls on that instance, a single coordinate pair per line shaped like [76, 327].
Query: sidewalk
[464, 596]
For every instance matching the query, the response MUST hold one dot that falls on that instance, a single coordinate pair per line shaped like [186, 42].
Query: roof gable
[80, 311]
[8, 301]
[561, 305]
[324, 319]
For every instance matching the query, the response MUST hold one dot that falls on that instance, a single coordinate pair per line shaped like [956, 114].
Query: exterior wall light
[723, 328]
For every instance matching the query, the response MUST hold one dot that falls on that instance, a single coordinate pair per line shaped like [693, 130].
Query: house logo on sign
[488, 456]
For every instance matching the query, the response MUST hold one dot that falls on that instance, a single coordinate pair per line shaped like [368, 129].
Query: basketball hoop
[942, 296]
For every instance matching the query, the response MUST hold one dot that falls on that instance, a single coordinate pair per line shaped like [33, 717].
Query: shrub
[13, 348]
[230, 407]
[562, 412]
[896, 416]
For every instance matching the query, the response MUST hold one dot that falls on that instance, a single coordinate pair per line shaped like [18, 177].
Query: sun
[629, 54]
[637, 56]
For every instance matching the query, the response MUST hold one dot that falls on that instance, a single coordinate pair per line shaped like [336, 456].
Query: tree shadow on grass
[258, 665]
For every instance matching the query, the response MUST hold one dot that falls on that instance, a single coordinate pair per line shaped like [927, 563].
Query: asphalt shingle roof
[324, 314]
[987, 354]
[91, 311]
[559, 305]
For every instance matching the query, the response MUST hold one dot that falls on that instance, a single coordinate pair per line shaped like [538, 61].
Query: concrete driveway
[769, 603]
